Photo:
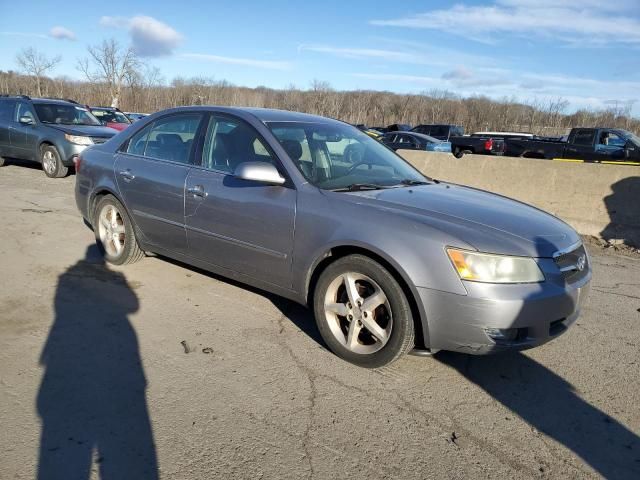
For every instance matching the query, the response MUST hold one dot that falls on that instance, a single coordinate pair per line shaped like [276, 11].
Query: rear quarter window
[6, 110]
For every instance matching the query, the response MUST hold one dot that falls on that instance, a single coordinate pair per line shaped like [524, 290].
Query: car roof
[264, 115]
[57, 101]
[418, 135]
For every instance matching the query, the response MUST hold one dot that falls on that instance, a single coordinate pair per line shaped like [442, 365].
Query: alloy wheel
[358, 313]
[111, 230]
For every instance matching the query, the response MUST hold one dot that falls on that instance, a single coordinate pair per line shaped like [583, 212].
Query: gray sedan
[316, 211]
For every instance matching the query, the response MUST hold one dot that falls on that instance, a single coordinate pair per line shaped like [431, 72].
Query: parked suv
[46, 130]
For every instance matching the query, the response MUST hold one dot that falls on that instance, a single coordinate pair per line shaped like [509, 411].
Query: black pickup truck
[585, 144]
[477, 143]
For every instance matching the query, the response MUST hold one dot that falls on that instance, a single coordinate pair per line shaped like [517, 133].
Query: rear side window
[6, 110]
[584, 137]
[138, 142]
[171, 138]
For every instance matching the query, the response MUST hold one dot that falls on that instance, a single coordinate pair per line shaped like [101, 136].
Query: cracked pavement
[268, 400]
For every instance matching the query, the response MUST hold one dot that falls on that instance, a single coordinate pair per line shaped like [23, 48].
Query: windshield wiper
[356, 187]
[411, 182]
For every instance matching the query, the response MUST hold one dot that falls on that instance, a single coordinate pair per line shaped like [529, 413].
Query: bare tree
[36, 64]
[111, 65]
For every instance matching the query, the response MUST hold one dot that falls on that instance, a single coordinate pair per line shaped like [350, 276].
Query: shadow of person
[549, 403]
[622, 208]
[92, 396]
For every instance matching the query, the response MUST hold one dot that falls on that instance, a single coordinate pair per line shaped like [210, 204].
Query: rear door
[246, 227]
[582, 146]
[151, 172]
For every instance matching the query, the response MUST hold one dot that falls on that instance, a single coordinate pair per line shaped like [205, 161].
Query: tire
[2, 161]
[115, 234]
[365, 336]
[458, 153]
[52, 165]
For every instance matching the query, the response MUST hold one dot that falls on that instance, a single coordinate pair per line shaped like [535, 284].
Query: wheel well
[342, 251]
[96, 198]
[43, 144]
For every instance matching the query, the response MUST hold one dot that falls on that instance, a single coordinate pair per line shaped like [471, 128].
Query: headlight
[78, 139]
[488, 268]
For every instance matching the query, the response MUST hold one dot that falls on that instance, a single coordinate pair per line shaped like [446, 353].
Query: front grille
[574, 264]
[98, 140]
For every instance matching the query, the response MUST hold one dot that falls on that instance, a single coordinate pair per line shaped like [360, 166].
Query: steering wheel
[355, 154]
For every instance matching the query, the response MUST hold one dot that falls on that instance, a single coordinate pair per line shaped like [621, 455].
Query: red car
[111, 117]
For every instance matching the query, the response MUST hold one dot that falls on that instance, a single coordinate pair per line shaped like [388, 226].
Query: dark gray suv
[50, 131]
[317, 211]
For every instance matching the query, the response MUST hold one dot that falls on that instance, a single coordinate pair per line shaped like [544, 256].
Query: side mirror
[261, 172]
[26, 120]
[629, 149]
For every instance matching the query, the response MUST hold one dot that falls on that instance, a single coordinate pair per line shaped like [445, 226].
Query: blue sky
[584, 51]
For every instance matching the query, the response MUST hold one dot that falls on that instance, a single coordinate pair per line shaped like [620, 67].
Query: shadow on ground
[622, 207]
[551, 405]
[92, 396]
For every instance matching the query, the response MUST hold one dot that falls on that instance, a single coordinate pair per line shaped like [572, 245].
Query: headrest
[293, 149]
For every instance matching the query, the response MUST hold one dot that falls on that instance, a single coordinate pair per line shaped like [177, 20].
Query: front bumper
[539, 312]
[69, 151]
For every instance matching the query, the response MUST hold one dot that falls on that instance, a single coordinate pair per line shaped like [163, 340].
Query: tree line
[113, 75]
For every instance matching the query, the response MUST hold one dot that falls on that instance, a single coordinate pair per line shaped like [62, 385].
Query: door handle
[128, 176]
[197, 191]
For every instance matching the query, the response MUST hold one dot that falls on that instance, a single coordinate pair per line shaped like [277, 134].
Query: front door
[239, 225]
[24, 137]
[151, 174]
[610, 147]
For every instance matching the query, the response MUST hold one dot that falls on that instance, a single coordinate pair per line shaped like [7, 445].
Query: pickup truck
[440, 131]
[585, 144]
[483, 144]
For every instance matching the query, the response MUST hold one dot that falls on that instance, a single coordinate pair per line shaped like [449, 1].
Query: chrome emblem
[581, 263]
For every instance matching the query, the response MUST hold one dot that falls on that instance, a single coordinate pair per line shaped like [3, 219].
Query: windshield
[630, 136]
[110, 116]
[64, 114]
[335, 156]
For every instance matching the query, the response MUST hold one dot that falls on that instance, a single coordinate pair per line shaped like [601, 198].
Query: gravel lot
[95, 357]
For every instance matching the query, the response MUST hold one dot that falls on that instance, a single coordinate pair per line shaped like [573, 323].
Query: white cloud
[149, 37]
[498, 84]
[572, 21]
[247, 62]
[62, 33]
[399, 51]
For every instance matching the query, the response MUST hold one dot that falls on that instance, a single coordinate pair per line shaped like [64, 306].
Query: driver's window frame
[17, 114]
[200, 148]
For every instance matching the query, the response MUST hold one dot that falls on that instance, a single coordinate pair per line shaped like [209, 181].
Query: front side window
[171, 138]
[611, 139]
[230, 142]
[339, 156]
[63, 114]
[24, 110]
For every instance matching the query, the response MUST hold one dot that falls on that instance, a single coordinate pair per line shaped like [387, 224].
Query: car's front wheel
[362, 312]
[114, 231]
[52, 163]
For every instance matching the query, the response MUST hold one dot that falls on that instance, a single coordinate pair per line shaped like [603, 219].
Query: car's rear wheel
[52, 163]
[362, 312]
[2, 161]
[115, 234]
[458, 153]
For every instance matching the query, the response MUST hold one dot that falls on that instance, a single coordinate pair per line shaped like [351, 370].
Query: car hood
[85, 130]
[491, 223]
